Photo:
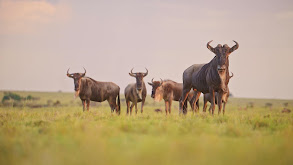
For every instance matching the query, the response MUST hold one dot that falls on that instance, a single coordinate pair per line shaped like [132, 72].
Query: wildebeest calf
[89, 89]
[208, 98]
[170, 90]
[285, 110]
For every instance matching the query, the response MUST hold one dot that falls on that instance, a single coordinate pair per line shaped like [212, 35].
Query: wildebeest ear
[235, 47]
[150, 84]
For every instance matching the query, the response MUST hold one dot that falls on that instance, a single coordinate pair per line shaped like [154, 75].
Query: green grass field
[66, 135]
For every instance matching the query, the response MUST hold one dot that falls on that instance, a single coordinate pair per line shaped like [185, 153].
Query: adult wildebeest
[208, 98]
[169, 90]
[136, 92]
[211, 77]
[89, 89]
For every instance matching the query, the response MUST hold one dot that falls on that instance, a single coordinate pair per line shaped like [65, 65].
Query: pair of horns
[152, 82]
[69, 75]
[134, 74]
[236, 46]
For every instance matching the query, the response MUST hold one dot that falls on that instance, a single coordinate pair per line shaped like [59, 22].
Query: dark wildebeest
[286, 110]
[211, 77]
[208, 98]
[136, 92]
[169, 90]
[89, 89]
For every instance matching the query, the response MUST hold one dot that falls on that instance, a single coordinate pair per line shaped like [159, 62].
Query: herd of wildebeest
[211, 79]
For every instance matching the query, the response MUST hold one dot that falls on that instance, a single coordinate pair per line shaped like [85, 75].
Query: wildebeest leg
[195, 101]
[135, 108]
[88, 105]
[205, 104]
[224, 105]
[212, 92]
[185, 107]
[192, 101]
[83, 104]
[127, 104]
[112, 104]
[131, 107]
[191, 104]
[185, 93]
[142, 103]
[166, 107]
[197, 104]
[220, 101]
[170, 104]
[210, 108]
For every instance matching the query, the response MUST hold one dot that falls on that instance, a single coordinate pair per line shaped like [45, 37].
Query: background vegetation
[39, 131]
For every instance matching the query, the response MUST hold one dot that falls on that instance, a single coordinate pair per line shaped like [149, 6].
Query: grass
[66, 135]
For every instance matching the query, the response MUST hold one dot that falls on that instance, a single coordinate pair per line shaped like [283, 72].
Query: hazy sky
[40, 40]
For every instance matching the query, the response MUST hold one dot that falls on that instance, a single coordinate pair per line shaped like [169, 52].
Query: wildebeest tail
[118, 102]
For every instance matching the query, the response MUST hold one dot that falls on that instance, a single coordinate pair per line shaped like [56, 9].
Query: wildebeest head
[77, 79]
[155, 85]
[139, 81]
[222, 54]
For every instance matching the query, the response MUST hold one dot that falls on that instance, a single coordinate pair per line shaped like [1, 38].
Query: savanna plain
[53, 129]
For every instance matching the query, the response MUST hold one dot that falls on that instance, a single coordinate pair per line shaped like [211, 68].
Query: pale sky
[41, 39]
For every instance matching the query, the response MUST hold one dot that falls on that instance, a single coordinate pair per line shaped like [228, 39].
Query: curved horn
[231, 75]
[84, 72]
[68, 73]
[131, 73]
[235, 47]
[210, 47]
[161, 82]
[151, 83]
[145, 74]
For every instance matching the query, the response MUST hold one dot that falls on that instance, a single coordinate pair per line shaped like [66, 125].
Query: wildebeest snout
[221, 68]
[76, 87]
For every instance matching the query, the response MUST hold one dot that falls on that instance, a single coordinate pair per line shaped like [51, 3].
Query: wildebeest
[89, 89]
[286, 110]
[158, 110]
[208, 98]
[269, 105]
[211, 77]
[169, 90]
[136, 92]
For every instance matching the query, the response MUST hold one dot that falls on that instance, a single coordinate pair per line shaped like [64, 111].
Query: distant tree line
[13, 96]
